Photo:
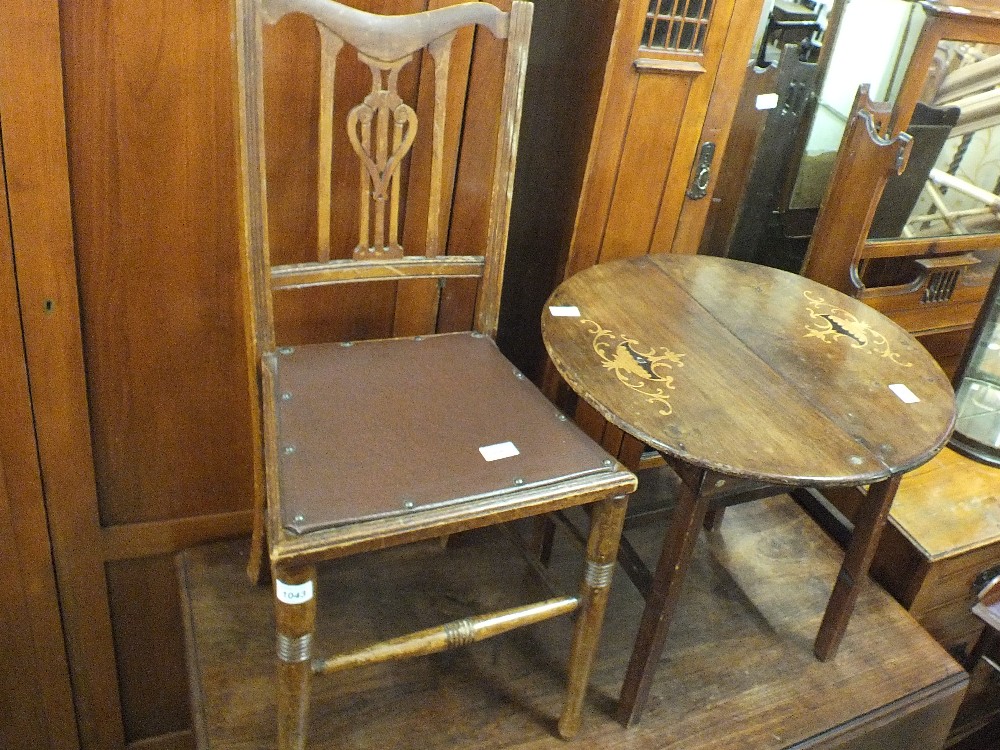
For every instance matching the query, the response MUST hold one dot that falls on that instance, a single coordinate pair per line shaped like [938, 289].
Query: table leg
[868, 524]
[675, 557]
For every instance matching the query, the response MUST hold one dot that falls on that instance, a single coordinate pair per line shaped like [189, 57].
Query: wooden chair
[371, 444]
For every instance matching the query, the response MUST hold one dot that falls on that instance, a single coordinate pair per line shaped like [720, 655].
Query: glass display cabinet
[977, 428]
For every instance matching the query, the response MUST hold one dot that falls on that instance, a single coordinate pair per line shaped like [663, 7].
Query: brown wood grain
[728, 39]
[24, 725]
[725, 317]
[36, 690]
[610, 125]
[417, 305]
[36, 166]
[720, 119]
[157, 258]
[150, 656]
[642, 183]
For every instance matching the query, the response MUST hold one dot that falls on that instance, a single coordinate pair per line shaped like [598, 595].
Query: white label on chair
[905, 394]
[290, 593]
[564, 311]
[767, 101]
[499, 450]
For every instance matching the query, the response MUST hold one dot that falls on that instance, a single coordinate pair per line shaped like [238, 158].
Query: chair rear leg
[543, 533]
[295, 615]
[256, 569]
[602, 550]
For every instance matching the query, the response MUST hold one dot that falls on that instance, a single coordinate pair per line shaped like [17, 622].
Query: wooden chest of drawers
[944, 535]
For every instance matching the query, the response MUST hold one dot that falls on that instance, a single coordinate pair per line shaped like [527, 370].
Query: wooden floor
[738, 670]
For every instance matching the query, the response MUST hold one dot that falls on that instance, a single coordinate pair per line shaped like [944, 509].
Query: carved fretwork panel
[368, 127]
[381, 130]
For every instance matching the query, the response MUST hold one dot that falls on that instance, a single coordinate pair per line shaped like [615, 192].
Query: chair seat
[386, 428]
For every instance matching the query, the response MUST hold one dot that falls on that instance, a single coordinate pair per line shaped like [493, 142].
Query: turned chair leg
[602, 550]
[295, 616]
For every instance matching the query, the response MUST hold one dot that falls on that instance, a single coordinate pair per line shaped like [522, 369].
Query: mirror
[950, 186]
[874, 43]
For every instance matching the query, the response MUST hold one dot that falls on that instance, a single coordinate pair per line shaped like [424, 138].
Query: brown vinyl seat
[367, 444]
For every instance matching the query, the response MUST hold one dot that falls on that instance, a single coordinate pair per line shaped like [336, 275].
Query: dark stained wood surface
[738, 671]
[748, 371]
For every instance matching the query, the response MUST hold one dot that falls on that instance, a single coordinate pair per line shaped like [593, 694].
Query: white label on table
[294, 593]
[564, 311]
[905, 394]
[767, 101]
[499, 450]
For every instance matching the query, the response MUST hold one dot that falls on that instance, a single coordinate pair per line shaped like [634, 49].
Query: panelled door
[36, 702]
[119, 156]
[671, 85]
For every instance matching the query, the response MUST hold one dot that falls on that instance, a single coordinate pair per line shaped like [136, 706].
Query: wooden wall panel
[34, 143]
[154, 684]
[645, 164]
[152, 165]
[36, 701]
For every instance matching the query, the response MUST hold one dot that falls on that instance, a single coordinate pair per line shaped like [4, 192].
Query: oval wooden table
[736, 372]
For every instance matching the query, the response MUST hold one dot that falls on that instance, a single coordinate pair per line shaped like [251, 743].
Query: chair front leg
[602, 550]
[295, 617]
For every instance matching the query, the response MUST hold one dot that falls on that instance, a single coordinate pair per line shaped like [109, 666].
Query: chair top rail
[390, 38]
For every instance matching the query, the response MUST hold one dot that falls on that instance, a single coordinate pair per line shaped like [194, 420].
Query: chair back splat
[381, 130]
[421, 428]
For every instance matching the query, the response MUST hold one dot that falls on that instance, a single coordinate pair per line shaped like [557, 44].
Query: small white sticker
[564, 311]
[298, 593]
[905, 394]
[499, 450]
[767, 101]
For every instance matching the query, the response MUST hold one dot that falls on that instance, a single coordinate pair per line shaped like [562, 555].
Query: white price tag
[499, 450]
[905, 394]
[767, 101]
[297, 593]
[564, 311]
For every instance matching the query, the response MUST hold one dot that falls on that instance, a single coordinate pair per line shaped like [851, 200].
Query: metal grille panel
[677, 25]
